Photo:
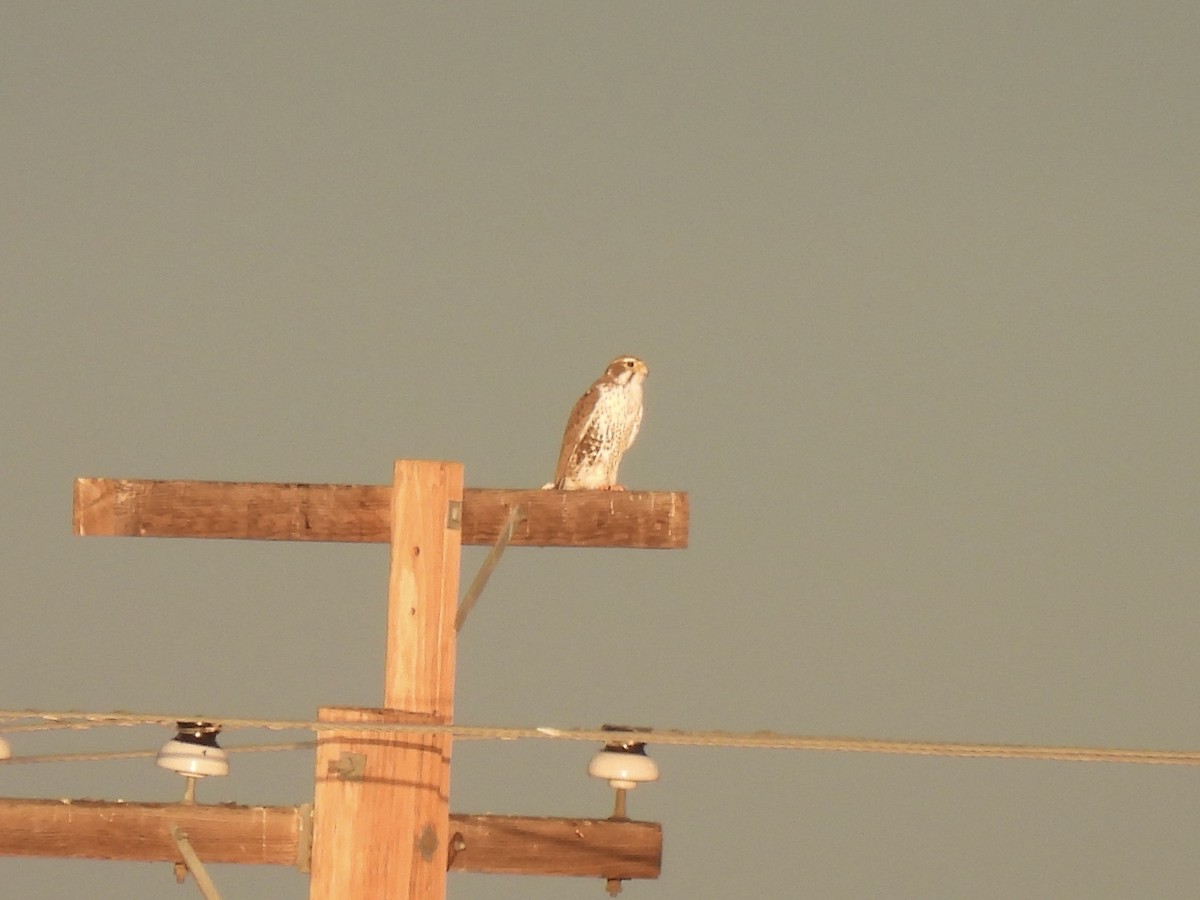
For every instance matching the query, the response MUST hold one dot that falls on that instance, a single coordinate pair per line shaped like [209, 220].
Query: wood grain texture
[534, 846]
[99, 829]
[423, 589]
[270, 835]
[112, 507]
[375, 823]
[384, 829]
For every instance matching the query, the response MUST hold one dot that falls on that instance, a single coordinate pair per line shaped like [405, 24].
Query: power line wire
[105, 756]
[765, 740]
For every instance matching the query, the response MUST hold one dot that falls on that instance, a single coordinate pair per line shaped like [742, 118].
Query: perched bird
[601, 428]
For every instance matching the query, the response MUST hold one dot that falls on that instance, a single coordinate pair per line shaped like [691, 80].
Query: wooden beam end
[94, 507]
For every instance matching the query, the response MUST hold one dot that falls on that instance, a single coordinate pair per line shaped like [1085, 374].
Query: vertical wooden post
[381, 813]
[423, 587]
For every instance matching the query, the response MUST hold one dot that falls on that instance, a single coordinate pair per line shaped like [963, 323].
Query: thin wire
[762, 740]
[143, 754]
[45, 726]
[471, 597]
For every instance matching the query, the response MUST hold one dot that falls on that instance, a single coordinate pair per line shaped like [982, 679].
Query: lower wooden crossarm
[275, 835]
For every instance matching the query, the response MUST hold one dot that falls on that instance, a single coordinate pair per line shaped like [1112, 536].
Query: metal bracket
[349, 766]
[193, 864]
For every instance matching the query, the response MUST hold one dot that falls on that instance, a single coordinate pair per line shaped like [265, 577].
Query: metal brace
[349, 766]
[516, 515]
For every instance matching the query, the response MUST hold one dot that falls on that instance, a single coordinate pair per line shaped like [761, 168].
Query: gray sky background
[919, 289]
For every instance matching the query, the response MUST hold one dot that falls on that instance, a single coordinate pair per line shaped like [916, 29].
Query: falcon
[601, 428]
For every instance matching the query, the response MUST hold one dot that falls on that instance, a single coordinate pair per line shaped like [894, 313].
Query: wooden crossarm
[116, 507]
[275, 835]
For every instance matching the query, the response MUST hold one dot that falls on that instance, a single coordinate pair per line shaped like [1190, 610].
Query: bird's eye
[629, 363]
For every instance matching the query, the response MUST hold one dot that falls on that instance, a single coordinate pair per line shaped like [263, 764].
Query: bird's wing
[633, 429]
[577, 426]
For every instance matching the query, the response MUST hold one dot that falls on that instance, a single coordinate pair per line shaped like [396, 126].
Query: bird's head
[627, 369]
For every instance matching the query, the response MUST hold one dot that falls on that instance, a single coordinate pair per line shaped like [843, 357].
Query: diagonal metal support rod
[192, 861]
[515, 516]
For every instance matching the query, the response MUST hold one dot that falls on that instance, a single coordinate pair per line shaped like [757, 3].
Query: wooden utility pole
[380, 825]
[382, 799]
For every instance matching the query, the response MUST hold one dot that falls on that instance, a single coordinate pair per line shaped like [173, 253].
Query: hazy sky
[919, 289]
